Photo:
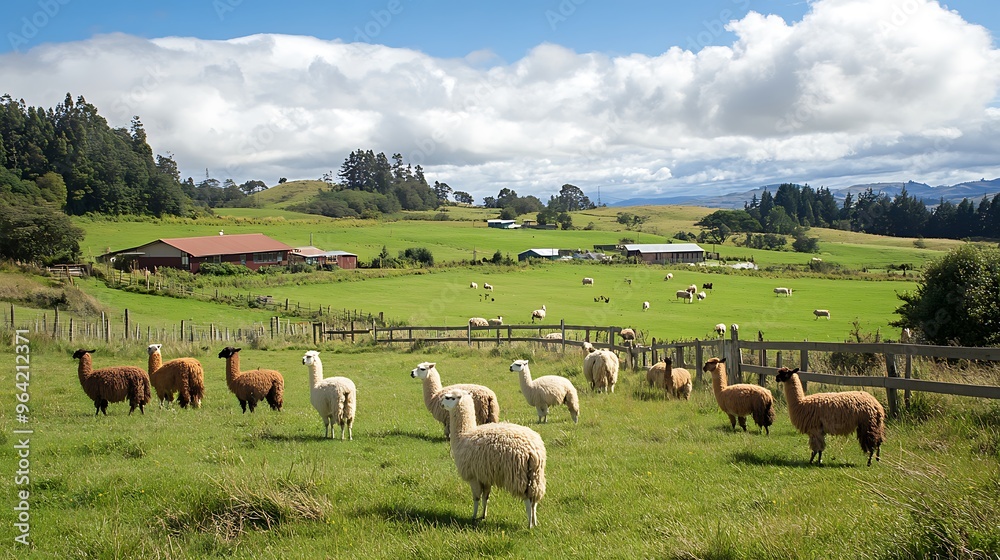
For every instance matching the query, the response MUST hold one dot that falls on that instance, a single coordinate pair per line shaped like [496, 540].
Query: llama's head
[311, 357]
[784, 374]
[153, 348]
[712, 364]
[81, 353]
[519, 366]
[422, 370]
[229, 352]
[450, 399]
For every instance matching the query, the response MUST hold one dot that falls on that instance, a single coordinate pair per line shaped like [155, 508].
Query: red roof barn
[253, 250]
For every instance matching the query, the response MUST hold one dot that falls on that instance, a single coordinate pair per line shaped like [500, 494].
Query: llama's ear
[796, 370]
[431, 364]
[722, 360]
[235, 350]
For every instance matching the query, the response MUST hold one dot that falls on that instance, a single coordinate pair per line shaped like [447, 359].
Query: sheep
[836, 414]
[254, 385]
[676, 381]
[474, 285]
[588, 281]
[822, 313]
[783, 291]
[600, 368]
[669, 276]
[720, 329]
[552, 338]
[546, 391]
[701, 295]
[478, 322]
[742, 399]
[495, 321]
[334, 398]
[487, 286]
[734, 328]
[645, 305]
[112, 384]
[692, 288]
[628, 335]
[906, 336]
[706, 286]
[684, 294]
[538, 314]
[183, 376]
[487, 405]
[501, 454]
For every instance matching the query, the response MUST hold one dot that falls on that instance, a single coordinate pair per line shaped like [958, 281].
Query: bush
[224, 269]
[803, 244]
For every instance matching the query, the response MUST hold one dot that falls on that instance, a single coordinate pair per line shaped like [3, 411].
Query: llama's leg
[252, 404]
[817, 442]
[104, 406]
[743, 422]
[543, 413]
[486, 498]
[350, 430]
[97, 407]
[732, 421]
[327, 429]
[477, 491]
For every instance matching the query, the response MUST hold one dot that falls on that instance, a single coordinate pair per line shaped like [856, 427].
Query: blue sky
[639, 98]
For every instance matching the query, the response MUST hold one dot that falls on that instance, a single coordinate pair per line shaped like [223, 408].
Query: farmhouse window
[217, 259]
[184, 259]
[271, 257]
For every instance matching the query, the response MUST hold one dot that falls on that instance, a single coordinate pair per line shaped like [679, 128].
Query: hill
[286, 194]
[931, 196]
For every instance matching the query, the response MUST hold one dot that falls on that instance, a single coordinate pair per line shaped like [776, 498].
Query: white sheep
[473, 285]
[837, 414]
[487, 286]
[645, 305]
[701, 295]
[487, 406]
[684, 294]
[496, 321]
[547, 391]
[783, 291]
[588, 281]
[538, 314]
[720, 329]
[692, 288]
[478, 322]
[500, 454]
[822, 313]
[628, 335]
[669, 276]
[600, 368]
[734, 328]
[334, 398]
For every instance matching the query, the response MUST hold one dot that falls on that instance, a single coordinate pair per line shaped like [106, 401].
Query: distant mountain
[973, 190]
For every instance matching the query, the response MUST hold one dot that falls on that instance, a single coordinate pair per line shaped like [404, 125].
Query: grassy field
[638, 477]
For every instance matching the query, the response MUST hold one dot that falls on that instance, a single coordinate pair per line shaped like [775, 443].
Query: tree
[572, 199]
[803, 244]
[442, 190]
[463, 197]
[958, 300]
[253, 186]
[38, 234]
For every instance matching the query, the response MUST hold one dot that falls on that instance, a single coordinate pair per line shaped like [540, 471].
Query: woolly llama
[499, 454]
[183, 376]
[334, 398]
[487, 406]
[675, 381]
[836, 414]
[600, 368]
[252, 386]
[742, 399]
[547, 391]
[112, 384]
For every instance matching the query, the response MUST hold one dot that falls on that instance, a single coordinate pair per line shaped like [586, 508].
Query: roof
[542, 252]
[497, 220]
[664, 247]
[217, 245]
[339, 254]
[309, 251]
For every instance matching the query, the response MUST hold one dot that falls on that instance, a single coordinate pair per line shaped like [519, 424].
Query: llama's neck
[83, 370]
[232, 369]
[432, 386]
[526, 383]
[794, 394]
[719, 379]
[155, 361]
[316, 373]
[462, 417]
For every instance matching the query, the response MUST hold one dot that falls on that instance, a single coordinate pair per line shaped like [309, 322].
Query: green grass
[638, 477]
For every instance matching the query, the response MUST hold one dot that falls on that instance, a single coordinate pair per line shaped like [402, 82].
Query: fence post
[468, 333]
[71, 329]
[734, 357]
[679, 355]
[804, 366]
[699, 355]
[562, 329]
[891, 395]
[55, 324]
[126, 323]
[907, 373]
[762, 379]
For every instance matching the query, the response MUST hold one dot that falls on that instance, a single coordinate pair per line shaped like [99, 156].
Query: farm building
[551, 254]
[252, 250]
[315, 256]
[662, 253]
[502, 224]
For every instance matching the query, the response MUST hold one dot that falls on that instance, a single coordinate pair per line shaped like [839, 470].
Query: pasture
[639, 477]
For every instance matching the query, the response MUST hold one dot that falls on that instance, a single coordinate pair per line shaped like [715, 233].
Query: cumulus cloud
[858, 90]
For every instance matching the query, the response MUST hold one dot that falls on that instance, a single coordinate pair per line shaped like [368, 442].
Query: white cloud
[857, 89]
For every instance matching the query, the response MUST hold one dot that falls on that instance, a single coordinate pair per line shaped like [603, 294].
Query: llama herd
[489, 452]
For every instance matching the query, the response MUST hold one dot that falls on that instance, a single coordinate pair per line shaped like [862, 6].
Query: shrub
[224, 269]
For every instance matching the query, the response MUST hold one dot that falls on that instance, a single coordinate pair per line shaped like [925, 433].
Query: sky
[628, 99]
